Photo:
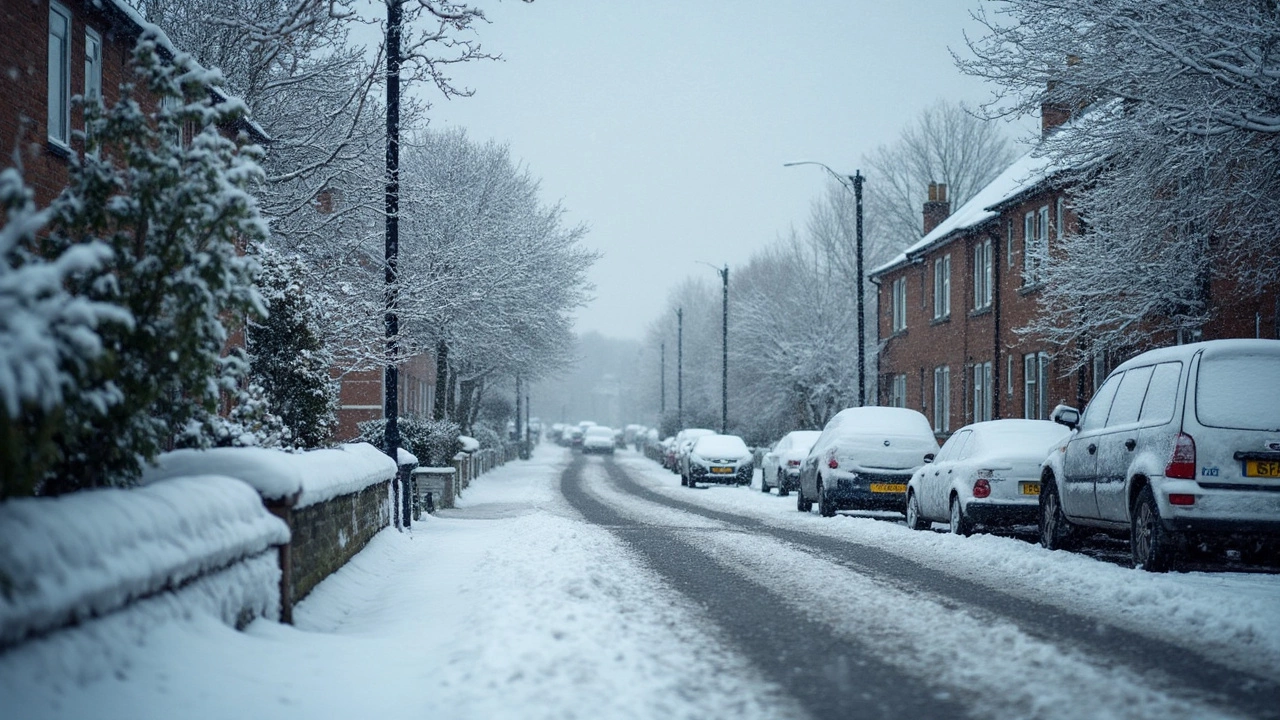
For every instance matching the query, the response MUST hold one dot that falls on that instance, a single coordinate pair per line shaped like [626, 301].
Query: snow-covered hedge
[83, 555]
[315, 476]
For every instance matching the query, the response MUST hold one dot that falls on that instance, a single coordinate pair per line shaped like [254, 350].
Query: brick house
[361, 396]
[949, 306]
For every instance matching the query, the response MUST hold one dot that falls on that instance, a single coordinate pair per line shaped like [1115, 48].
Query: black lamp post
[853, 183]
[679, 369]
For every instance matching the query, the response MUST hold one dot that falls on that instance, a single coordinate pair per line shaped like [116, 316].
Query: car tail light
[1182, 465]
[832, 462]
[1182, 499]
[793, 463]
[981, 488]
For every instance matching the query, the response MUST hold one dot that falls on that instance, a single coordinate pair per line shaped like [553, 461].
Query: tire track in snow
[1091, 648]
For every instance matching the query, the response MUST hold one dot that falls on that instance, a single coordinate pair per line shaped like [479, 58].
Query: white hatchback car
[781, 465]
[1180, 445]
[987, 473]
[598, 439]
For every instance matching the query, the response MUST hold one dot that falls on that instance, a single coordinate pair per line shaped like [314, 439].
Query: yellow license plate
[721, 471]
[888, 488]
[1030, 488]
[1262, 468]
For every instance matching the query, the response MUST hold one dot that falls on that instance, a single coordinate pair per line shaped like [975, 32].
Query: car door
[1080, 462]
[937, 477]
[1118, 444]
[1148, 433]
[769, 463]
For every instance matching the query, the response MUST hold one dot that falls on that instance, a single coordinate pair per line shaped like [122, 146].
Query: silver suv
[1179, 445]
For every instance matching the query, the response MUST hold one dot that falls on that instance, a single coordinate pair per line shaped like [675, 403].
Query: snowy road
[572, 587]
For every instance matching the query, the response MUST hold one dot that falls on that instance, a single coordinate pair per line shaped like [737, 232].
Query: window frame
[898, 390]
[942, 287]
[1035, 383]
[898, 289]
[942, 399]
[983, 395]
[983, 274]
[61, 134]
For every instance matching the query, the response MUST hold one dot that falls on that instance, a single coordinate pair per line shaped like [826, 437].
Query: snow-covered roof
[131, 14]
[1023, 174]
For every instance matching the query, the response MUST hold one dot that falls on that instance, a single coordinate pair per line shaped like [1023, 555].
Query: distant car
[780, 466]
[987, 473]
[598, 439]
[684, 442]
[573, 437]
[863, 460]
[722, 459]
[1179, 447]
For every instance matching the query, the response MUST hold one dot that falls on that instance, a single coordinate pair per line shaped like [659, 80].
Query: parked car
[573, 437]
[863, 460]
[722, 459]
[669, 454]
[684, 441]
[987, 473]
[598, 439]
[780, 466]
[1179, 445]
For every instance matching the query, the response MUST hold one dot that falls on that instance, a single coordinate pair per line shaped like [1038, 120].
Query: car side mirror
[928, 458]
[1066, 415]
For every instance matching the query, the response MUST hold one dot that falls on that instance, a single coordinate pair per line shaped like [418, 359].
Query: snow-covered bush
[434, 442]
[286, 354]
[488, 437]
[48, 339]
[168, 194]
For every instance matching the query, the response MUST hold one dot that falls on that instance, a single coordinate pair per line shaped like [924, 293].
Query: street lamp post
[724, 346]
[662, 384]
[679, 368]
[853, 183]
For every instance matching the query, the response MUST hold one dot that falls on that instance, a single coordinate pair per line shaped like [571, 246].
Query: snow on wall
[314, 476]
[67, 559]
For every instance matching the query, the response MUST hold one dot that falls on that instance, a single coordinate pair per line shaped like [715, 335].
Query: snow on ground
[968, 652]
[509, 606]
[1231, 617]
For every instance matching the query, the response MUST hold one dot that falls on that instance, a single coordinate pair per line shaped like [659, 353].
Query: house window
[898, 391]
[1008, 374]
[942, 287]
[1008, 241]
[942, 399]
[59, 74]
[1035, 243]
[92, 65]
[982, 270]
[899, 304]
[982, 392]
[1099, 369]
[1035, 377]
[1057, 219]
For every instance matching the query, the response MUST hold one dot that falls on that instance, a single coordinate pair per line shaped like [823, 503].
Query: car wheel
[1154, 548]
[825, 507]
[802, 504]
[764, 482]
[1056, 532]
[959, 523]
[684, 481]
[914, 520]
[782, 485]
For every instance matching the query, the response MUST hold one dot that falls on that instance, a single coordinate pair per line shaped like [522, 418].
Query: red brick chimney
[937, 208]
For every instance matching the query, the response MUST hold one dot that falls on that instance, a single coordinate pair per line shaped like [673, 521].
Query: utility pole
[662, 384]
[390, 376]
[679, 368]
[724, 354]
[862, 291]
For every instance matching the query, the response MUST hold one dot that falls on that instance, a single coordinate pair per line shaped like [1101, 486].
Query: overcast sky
[663, 125]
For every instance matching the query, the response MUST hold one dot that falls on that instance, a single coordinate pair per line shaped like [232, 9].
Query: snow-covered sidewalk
[509, 606]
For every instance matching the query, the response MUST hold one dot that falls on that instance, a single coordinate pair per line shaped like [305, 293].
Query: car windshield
[1239, 391]
[721, 446]
[1012, 438]
[802, 440]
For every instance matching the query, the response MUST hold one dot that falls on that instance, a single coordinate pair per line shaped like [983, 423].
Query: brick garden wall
[328, 534]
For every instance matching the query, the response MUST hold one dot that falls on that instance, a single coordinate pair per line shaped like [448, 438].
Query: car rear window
[1239, 392]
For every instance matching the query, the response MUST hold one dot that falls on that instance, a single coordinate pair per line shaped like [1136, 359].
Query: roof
[1023, 175]
[140, 25]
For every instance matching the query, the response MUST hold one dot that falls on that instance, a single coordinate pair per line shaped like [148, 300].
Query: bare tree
[1175, 159]
[947, 143]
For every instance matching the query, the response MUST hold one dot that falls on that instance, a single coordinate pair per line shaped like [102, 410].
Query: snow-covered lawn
[1232, 617]
[509, 606]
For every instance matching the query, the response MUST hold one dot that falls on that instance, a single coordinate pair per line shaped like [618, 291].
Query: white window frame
[92, 65]
[59, 61]
[899, 291]
[898, 391]
[1008, 240]
[983, 262]
[1035, 382]
[942, 287]
[982, 392]
[1059, 223]
[942, 399]
[1042, 242]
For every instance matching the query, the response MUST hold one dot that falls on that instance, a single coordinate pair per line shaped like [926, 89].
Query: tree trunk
[451, 397]
[466, 389]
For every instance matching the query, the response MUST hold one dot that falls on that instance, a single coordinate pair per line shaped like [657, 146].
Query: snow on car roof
[885, 420]
[1014, 437]
[801, 439]
[599, 431]
[721, 446]
[1212, 348]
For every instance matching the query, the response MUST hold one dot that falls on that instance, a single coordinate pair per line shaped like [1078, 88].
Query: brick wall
[328, 534]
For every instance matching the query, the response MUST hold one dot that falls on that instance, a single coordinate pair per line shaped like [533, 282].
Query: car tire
[782, 485]
[1056, 531]
[1154, 548]
[825, 507]
[960, 524]
[684, 481]
[764, 483]
[915, 521]
[802, 504]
